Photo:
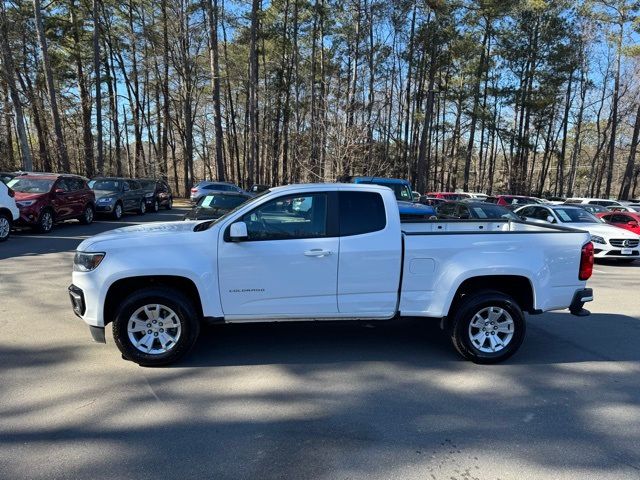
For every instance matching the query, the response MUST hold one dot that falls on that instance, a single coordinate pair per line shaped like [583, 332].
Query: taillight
[11, 192]
[586, 262]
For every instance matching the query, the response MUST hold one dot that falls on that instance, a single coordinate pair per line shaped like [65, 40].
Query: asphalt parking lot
[301, 401]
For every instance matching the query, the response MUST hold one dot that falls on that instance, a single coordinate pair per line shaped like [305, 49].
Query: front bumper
[79, 306]
[613, 252]
[581, 297]
[104, 207]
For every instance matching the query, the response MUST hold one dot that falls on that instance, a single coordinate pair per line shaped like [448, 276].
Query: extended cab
[326, 252]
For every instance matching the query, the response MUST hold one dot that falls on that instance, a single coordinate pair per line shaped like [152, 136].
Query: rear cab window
[361, 212]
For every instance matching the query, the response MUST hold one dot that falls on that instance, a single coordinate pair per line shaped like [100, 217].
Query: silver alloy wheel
[88, 215]
[491, 329]
[5, 227]
[118, 209]
[156, 206]
[154, 329]
[143, 207]
[46, 222]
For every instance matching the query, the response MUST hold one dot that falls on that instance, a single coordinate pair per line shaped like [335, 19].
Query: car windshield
[493, 211]
[147, 184]
[106, 185]
[401, 190]
[221, 201]
[30, 185]
[575, 215]
[210, 223]
[519, 200]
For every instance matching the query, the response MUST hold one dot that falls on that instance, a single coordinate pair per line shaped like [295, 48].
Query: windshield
[221, 201]
[575, 215]
[402, 191]
[493, 211]
[30, 185]
[147, 184]
[106, 185]
[210, 223]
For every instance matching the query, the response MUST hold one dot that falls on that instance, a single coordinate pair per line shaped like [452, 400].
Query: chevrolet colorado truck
[326, 252]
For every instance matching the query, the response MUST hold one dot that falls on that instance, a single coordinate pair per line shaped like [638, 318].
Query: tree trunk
[212, 13]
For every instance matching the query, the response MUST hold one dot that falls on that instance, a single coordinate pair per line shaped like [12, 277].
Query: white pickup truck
[326, 252]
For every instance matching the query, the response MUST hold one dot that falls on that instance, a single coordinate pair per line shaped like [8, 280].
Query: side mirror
[59, 190]
[550, 219]
[238, 232]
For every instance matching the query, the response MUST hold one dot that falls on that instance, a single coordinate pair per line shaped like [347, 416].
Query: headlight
[26, 203]
[105, 200]
[85, 262]
[149, 195]
[598, 239]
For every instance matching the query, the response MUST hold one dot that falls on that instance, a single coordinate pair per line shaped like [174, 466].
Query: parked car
[451, 196]
[409, 210]
[512, 201]
[634, 206]
[591, 208]
[608, 241]
[621, 208]
[627, 220]
[432, 201]
[203, 188]
[465, 210]
[157, 193]
[257, 188]
[47, 198]
[268, 262]
[9, 212]
[6, 176]
[604, 202]
[556, 200]
[115, 196]
[215, 205]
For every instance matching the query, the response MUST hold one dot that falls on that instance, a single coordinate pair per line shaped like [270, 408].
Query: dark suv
[47, 198]
[157, 194]
[115, 195]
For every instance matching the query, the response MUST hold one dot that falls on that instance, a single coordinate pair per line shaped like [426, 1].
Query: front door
[288, 265]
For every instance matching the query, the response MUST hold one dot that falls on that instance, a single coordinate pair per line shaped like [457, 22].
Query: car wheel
[487, 327]
[45, 222]
[142, 209]
[156, 206]
[170, 204]
[156, 326]
[5, 227]
[117, 211]
[87, 216]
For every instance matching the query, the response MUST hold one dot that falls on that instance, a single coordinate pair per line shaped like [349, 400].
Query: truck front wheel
[156, 326]
[487, 327]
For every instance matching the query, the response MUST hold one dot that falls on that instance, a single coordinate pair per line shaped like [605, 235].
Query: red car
[627, 220]
[47, 198]
[451, 196]
[512, 201]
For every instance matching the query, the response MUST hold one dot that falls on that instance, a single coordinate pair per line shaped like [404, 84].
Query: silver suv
[205, 187]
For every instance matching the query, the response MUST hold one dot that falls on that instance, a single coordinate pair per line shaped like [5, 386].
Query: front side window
[361, 212]
[291, 217]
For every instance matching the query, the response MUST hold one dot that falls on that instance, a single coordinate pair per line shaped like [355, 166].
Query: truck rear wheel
[156, 326]
[487, 327]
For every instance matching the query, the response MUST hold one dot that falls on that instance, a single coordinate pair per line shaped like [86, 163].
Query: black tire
[142, 209]
[466, 310]
[169, 204]
[88, 215]
[5, 227]
[168, 297]
[45, 221]
[117, 212]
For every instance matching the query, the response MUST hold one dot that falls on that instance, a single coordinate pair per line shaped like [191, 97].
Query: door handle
[317, 252]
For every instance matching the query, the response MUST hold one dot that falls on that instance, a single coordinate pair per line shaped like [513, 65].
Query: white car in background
[604, 202]
[9, 212]
[608, 241]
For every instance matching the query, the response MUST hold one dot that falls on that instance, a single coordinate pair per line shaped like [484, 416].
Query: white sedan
[608, 241]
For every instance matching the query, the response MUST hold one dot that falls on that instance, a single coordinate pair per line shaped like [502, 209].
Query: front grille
[624, 242]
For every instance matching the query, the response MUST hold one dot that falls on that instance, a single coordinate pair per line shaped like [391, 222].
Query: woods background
[532, 96]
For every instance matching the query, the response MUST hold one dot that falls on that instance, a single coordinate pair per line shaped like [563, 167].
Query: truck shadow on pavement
[329, 401]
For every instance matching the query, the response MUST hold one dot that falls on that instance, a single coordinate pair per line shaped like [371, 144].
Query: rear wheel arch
[518, 287]
[126, 286]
